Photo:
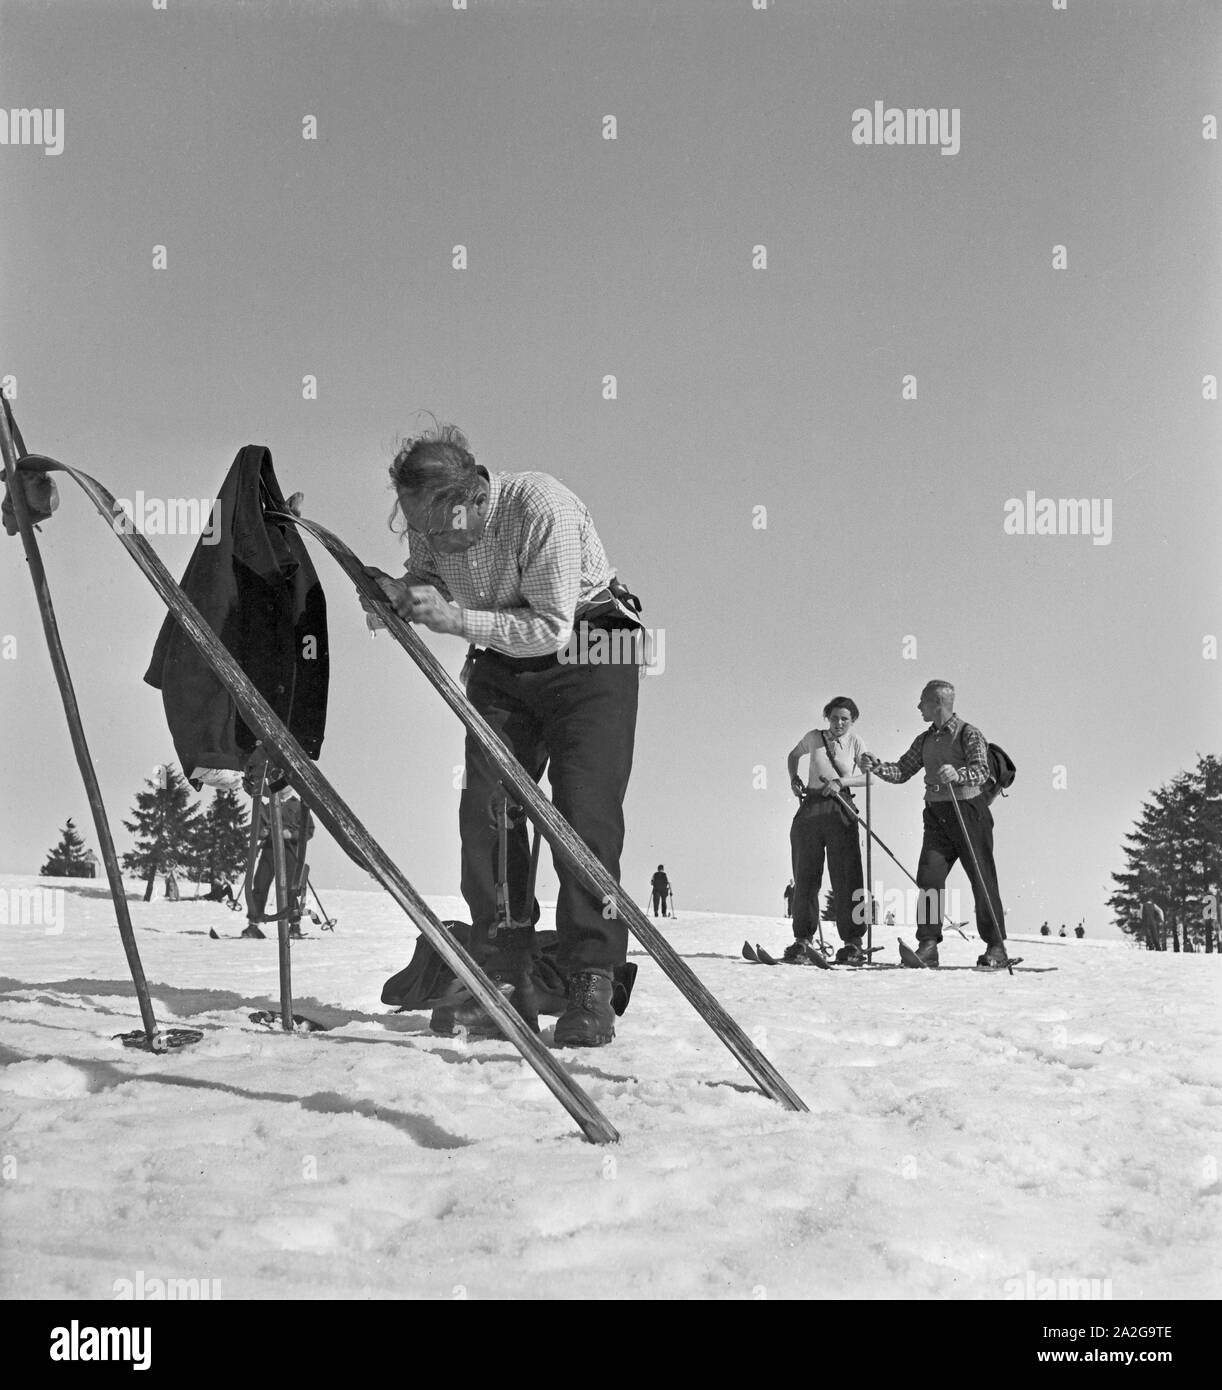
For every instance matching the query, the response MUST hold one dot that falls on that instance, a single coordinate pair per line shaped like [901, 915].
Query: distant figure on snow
[1153, 926]
[789, 898]
[1062, 931]
[1080, 930]
[1045, 930]
[265, 869]
[660, 885]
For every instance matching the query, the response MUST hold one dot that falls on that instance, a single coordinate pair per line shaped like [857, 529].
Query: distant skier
[660, 885]
[1079, 931]
[789, 898]
[220, 891]
[951, 752]
[265, 869]
[1045, 930]
[1062, 931]
[1153, 926]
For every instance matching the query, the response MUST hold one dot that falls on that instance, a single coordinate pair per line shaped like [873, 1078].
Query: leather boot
[516, 985]
[441, 1020]
[589, 1020]
[994, 958]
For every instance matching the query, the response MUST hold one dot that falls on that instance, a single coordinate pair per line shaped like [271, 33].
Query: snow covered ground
[969, 1136]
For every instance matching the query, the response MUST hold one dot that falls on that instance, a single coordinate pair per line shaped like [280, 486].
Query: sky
[796, 523]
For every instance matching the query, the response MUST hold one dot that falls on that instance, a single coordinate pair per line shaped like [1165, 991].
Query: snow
[968, 1135]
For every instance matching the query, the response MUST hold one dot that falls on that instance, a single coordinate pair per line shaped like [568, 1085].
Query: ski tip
[749, 952]
[212, 934]
[908, 956]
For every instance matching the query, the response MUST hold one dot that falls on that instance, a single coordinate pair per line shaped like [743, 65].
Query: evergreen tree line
[173, 837]
[1174, 859]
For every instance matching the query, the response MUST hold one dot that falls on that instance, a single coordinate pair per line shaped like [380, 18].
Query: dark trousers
[819, 831]
[265, 876]
[659, 902]
[581, 721]
[942, 847]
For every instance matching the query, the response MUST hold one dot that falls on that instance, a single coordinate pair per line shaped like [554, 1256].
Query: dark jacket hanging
[258, 591]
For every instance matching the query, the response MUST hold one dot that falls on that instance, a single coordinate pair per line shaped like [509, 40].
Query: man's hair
[842, 702]
[436, 466]
[941, 688]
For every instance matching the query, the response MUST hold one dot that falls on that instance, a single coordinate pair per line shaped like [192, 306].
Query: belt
[601, 611]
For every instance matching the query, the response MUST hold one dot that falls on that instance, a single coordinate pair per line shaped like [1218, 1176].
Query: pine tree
[164, 824]
[67, 859]
[1174, 858]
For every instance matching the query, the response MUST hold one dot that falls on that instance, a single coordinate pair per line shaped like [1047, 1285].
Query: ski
[334, 813]
[555, 829]
[759, 956]
[914, 962]
[1021, 969]
[911, 959]
[1011, 962]
[241, 936]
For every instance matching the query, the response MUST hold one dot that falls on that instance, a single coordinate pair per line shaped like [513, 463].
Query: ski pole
[283, 944]
[328, 922]
[869, 876]
[976, 865]
[878, 840]
[10, 444]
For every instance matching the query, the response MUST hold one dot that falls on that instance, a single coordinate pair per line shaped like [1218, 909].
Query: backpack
[1001, 771]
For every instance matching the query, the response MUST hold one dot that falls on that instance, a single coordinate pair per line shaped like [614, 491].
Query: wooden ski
[552, 825]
